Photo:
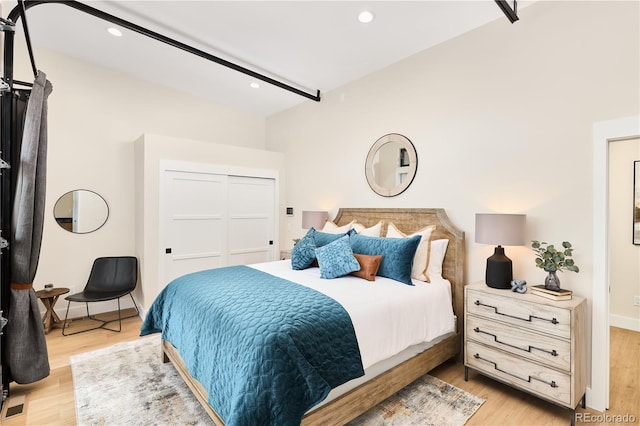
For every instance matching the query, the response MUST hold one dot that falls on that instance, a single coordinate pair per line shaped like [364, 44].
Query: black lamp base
[499, 270]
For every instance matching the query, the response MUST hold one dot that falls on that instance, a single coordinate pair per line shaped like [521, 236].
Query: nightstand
[285, 254]
[528, 342]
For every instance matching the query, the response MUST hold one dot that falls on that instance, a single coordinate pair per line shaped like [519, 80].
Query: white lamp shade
[500, 229]
[314, 219]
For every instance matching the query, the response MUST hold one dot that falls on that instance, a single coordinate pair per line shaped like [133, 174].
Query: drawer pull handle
[552, 383]
[495, 339]
[552, 321]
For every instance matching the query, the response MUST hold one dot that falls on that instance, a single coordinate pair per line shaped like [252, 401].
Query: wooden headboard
[411, 220]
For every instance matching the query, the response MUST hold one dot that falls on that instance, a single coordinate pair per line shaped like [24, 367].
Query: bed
[383, 376]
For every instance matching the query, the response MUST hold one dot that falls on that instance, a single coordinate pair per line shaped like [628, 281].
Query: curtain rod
[16, 12]
[22, 83]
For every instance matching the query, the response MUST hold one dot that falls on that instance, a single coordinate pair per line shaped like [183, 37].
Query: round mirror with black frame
[81, 211]
[391, 165]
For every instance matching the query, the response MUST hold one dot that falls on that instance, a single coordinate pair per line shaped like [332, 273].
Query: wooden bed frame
[369, 394]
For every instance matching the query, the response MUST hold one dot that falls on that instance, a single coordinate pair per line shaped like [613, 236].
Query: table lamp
[500, 229]
[314, 219]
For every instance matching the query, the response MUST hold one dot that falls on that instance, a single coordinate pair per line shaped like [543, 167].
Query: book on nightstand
[539, 290]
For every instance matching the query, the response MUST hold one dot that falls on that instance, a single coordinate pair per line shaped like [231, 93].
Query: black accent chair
[110, 278]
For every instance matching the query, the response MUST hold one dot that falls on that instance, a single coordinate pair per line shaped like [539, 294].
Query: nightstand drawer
[548, 319]
[550, 351]
[515, 371]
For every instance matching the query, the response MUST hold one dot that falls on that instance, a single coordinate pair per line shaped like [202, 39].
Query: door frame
[604, 132]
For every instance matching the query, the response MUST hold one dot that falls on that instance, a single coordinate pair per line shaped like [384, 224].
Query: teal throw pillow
[397, 254]
[304, 252]
[324, 238]
[336, 259]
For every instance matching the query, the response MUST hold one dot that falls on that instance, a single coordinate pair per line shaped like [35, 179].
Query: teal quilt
[266, 349]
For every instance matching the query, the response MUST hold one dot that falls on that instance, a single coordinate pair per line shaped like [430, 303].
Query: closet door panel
[195, 227]
[251, 220]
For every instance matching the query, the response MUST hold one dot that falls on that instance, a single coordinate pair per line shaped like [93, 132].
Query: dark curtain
[26, 352]
[19, 100]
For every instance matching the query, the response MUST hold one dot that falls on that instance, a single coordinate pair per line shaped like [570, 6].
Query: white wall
[502, 121]
[501, 118]
[95, 115]
[624, 257]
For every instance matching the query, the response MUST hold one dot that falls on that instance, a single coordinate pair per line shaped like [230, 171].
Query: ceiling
[311, 45]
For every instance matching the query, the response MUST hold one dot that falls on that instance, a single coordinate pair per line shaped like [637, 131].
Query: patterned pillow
[369, 266]
[336, 259]
[304, 252]
[397, 254]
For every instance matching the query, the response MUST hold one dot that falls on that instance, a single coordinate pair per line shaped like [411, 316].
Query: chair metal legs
[104, 323]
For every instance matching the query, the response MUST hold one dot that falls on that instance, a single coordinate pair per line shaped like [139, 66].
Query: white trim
[603, 133]
[628, 323]
[216, 169]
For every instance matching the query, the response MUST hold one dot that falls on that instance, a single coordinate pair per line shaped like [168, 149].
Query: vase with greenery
[553, 260]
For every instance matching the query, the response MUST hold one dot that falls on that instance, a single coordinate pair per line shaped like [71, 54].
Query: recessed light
[254, 85]
[114, 32]
[365, 17]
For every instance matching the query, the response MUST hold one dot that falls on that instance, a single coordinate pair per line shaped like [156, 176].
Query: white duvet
[387, 316]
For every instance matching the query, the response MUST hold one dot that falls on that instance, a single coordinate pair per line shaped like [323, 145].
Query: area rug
[128, 384]
[426, 402]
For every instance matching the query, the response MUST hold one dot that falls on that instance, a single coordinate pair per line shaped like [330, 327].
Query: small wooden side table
[49, 298]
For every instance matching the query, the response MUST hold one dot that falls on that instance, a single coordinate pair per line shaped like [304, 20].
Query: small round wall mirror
[81, 211]
[391, 165]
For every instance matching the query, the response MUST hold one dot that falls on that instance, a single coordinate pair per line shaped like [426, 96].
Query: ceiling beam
[509, 8]
[18, 10]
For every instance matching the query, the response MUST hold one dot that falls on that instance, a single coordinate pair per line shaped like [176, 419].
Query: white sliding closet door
[250, 230]
[194, 222]
[210, 220]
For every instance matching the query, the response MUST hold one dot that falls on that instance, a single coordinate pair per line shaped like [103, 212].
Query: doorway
[603, 133]
[624, 248]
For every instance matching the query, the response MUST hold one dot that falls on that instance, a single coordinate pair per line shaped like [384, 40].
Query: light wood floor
[51, 401]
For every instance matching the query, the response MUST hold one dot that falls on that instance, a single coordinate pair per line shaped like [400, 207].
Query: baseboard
[143, 312]
[628, 323]
[595, 401]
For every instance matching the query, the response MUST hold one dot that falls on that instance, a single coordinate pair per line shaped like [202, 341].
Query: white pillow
[421, 258]
[373, 231]
[332, 228]
[436, 257]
